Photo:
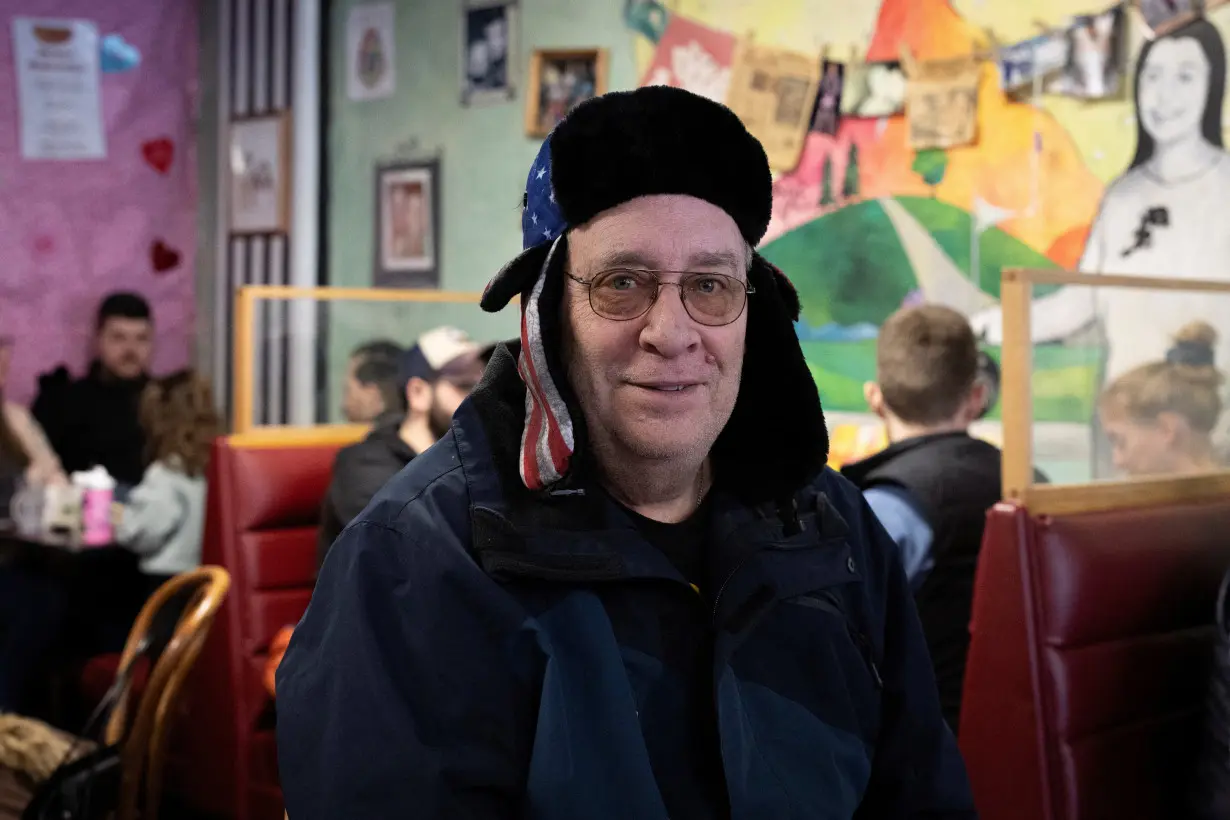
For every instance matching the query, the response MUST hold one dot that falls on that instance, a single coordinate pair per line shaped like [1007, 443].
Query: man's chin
[664, 440]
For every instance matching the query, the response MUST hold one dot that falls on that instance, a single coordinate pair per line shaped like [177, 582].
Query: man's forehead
[672, 256]
[126, 324]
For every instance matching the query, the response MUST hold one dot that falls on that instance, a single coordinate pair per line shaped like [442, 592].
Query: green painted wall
[484, 153]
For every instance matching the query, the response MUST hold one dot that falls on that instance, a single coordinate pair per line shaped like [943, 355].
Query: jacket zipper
[868, 653]
[718, 598]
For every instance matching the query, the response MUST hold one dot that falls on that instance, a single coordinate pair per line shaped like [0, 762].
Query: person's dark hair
[379, 363]
[122, 305]
[377, 347]
[1209, 39]
[926, 363]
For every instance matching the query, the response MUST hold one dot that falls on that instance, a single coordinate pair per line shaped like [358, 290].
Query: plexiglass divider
[1113, 390]
[292, 348]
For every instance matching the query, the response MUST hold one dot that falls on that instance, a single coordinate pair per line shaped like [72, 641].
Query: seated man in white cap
[435, 376]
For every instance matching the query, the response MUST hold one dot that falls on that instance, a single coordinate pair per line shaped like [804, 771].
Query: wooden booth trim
[1016, 366]
[324, 435]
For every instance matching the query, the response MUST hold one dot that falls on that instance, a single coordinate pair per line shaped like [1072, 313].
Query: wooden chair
[144, 738]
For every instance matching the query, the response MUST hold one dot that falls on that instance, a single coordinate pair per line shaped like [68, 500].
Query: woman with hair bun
[1160, 416]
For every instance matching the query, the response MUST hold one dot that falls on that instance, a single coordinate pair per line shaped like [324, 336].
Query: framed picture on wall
[558, 81]
[488, 49]
[260, 174]
[408, 225]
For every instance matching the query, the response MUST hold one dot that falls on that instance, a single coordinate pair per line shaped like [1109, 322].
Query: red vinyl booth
[261, 525]
[1090, 650]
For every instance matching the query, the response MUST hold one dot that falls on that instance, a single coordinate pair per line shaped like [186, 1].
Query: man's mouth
[675, 387]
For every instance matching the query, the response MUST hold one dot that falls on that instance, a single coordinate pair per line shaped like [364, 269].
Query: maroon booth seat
[1090, 650]
[261, 524]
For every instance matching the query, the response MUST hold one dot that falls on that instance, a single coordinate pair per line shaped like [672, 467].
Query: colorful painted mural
[864, 224]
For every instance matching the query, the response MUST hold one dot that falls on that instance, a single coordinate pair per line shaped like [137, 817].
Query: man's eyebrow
[715, 259]
[624, 259]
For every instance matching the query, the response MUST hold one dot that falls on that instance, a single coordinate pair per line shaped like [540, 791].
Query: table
[59, 553]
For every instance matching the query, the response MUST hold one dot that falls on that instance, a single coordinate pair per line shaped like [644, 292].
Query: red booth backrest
[263, 513]
[1090, 649]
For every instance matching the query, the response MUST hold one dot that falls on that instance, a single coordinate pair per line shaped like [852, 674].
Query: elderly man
[624, 585]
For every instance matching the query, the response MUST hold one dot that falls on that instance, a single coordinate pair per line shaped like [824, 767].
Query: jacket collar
[573, 533]
[859, 470]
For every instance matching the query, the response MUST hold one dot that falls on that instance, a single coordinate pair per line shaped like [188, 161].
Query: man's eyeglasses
[622, 294]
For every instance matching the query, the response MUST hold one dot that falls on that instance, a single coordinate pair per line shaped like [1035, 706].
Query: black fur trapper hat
[615, 148]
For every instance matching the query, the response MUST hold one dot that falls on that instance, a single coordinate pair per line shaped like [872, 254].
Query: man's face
[361, 403]
[660, 386]
[446, 398]
[125, 345]
[438, 401]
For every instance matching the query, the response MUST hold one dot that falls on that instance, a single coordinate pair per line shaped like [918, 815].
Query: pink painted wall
[72, 231]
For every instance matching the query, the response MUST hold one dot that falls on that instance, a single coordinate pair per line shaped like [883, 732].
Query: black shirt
[684, 543]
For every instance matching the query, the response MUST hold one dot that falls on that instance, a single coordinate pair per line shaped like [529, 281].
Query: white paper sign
[58, 95]
[370, 60]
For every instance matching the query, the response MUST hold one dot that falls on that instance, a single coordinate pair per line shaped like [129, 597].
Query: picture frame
[407, 221]
[489, 47]
[559, 79]
[259, 174]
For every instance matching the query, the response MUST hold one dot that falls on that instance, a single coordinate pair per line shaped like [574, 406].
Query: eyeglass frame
[748, 290]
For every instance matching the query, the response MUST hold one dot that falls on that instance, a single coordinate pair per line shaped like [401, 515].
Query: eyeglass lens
[709, 298]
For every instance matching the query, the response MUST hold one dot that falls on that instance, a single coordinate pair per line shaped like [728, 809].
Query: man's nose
[669, 330]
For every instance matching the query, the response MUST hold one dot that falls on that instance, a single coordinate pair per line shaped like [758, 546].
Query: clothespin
[908, 64]
[993, 45]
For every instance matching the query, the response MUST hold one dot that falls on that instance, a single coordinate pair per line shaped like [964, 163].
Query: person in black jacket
[435, 376]
[93, 420]
[932, 486]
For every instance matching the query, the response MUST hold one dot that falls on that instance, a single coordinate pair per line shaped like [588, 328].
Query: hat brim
[514, 278]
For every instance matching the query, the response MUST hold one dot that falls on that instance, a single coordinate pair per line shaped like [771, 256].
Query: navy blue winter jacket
[473, 650]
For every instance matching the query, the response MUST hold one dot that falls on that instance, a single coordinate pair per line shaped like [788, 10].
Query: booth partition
[1095, 598]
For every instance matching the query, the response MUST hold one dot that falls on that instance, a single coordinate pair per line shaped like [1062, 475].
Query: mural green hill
[850, 267]
[950, 226]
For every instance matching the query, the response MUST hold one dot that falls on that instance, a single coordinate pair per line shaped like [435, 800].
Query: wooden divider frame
[1016, 300]
[243, 353]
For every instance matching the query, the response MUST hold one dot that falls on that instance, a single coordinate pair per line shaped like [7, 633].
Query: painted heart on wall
[163, 257]
[159, 153]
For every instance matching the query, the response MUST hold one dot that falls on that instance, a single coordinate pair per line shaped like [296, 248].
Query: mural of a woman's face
[1174, 87]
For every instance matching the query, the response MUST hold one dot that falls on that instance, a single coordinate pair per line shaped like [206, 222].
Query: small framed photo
[559, 80]
[408, 225]
[1164, 16]
[488, 43]
[260, 174]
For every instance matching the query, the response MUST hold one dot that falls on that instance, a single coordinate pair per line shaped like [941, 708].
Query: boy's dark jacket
[476, 650]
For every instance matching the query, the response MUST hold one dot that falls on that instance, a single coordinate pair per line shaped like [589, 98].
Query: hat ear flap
[761, 468]
[514, 278]
[789, 295]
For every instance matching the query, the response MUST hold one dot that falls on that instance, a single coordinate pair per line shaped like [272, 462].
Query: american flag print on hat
[547, 441]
